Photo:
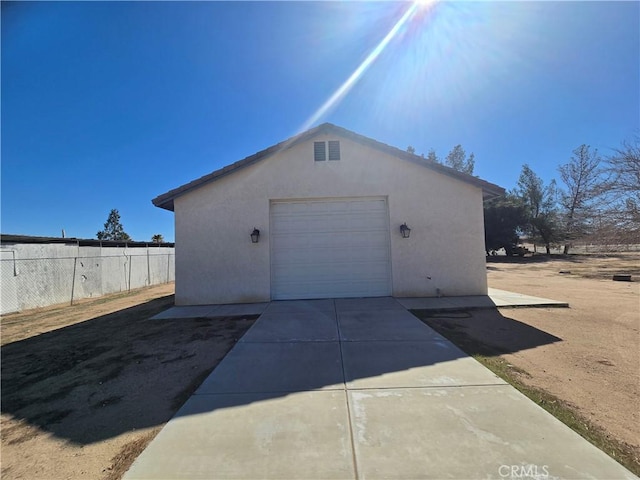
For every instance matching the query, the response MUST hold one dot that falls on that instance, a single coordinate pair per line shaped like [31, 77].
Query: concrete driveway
[360, 389]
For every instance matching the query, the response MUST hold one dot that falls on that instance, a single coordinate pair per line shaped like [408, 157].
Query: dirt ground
[85, 388]
[587, 355]
[595, 364]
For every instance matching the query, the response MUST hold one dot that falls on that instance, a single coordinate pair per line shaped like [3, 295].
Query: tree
[622, 190]
[458, 160]
[504, 218]
[411, 150]
[113, 229]
[583, 185]
[540, 207]
[432, 157]
[157, 238]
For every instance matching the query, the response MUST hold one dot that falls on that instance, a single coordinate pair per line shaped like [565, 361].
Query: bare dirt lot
[587, 355]
[596, 362]
[85, 388]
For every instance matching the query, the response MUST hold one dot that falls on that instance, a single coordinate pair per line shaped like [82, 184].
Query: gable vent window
[334, 150]
[319, 151]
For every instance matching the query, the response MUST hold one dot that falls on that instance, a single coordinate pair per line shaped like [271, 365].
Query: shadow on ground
[112, 374]
[485, 332]
[535, 259]
[119, 372]
[555, 257]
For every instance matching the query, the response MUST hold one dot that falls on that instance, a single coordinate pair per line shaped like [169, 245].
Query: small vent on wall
[334, 150]
[319, 151]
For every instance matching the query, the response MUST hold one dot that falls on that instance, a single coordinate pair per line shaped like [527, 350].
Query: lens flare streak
[353, 78]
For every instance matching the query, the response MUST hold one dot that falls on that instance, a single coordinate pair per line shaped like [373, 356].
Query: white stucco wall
[217, 263]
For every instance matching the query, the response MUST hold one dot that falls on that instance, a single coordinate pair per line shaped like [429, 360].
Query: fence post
[148, 268]
[130, 258]
[73, 280]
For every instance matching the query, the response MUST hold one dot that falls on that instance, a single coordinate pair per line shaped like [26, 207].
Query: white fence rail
[34, 276]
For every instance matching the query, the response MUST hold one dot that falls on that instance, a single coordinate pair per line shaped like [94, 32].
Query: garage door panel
[332, 242]
[294, 249]
[332, 289]
[330, 248]
[309, 272]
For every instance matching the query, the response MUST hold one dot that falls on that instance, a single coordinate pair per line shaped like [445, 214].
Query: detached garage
[326, 214]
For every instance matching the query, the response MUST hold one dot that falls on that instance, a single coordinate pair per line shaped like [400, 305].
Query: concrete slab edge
[536, 305]
[460, 308]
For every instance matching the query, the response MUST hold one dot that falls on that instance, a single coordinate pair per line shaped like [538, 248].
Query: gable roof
[489, 190]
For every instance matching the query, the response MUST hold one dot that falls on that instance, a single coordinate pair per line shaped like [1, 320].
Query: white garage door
[330, 248]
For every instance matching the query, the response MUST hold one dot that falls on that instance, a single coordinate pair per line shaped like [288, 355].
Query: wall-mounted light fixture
[405, 231]
[255, 236]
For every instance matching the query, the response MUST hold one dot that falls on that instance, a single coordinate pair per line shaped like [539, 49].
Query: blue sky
[109, 104]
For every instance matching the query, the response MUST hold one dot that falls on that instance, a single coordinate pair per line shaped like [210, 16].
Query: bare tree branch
[582, 177]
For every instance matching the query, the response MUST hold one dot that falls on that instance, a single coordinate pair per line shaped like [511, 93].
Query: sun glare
[339, 94]
[432, 61]
[424, 3]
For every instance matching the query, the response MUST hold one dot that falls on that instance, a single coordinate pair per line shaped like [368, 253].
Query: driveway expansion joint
[431, 387]
[416, 428]
[346, 399]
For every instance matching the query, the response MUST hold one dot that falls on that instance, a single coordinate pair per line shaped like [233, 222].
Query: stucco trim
[489, 190]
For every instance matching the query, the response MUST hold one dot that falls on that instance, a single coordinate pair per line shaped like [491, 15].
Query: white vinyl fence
[38, 275]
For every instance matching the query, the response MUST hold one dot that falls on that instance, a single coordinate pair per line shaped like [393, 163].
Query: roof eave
[166, 204]
[166, 200]
[489, 190]
[489, 193]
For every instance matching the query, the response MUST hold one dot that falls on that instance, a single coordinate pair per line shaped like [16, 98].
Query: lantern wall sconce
[405, 231]
[255, 236]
